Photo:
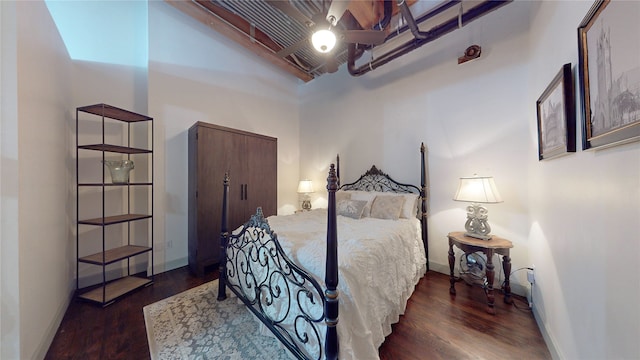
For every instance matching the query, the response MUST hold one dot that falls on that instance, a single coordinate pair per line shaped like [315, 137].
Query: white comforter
[380, 262]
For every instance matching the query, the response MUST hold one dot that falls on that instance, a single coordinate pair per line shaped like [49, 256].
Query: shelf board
[114, 148]
[112, 184]
[115, 289]
[113, 112]
[109, 220]
[115, 254]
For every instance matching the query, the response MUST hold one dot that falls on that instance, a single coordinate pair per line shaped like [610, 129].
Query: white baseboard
[172, 265]
[548, 339]
[52, 330]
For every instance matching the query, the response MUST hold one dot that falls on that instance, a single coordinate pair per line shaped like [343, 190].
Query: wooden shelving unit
[108, 290]
[114, 148]
[112, 290]
[113, 255]
[116, 219]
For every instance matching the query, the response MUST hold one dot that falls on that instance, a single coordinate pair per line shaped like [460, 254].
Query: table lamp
[477, 190]
[305, 187]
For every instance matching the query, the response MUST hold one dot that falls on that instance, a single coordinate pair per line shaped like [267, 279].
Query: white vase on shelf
[119, 170]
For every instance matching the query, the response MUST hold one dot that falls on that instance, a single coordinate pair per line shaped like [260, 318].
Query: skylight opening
[114, 32]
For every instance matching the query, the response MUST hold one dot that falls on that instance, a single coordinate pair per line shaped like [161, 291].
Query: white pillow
[387, 207]
[342, 195]
[367, 196]
[410, 206]
[350, 208]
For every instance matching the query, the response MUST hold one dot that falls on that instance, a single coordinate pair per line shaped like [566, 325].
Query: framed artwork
[557, 117]
[609, 70]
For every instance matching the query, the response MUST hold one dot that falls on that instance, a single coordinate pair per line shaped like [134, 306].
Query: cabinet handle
[246, 193]
[243, 192]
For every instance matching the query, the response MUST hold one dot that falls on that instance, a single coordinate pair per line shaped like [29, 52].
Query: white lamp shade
[478, 189]
[323, 40]
[305, 187]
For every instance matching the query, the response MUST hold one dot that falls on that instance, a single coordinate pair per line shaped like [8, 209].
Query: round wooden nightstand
[496, 245]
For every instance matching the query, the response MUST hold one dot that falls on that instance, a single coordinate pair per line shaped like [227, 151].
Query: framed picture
[609, 70]
[557, 117]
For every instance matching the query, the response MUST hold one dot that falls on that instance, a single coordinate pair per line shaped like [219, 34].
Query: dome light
[323, 40]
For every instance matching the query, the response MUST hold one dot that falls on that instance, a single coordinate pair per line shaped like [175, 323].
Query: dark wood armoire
[251, 162]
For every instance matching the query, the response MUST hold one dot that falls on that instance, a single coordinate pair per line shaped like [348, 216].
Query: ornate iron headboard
[376, 180]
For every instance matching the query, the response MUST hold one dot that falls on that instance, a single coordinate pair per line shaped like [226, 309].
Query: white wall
[195, 75]
[109, 73]
[44, 172]
[9, 245]
[574, 217]
[584, 215]
[41, 87]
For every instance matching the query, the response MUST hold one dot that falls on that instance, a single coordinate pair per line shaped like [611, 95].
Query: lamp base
[477, 225]
[306, 205]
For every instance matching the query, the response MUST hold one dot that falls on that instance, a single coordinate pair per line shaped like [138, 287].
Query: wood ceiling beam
[233, 27]
[368, 13]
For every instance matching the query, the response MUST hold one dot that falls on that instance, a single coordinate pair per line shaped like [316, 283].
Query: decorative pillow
[367, 196]
[410, 207]
[342, 195]
[387, 207]
[350, 208]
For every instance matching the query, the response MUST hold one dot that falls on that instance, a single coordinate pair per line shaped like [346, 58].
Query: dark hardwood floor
[435, 325]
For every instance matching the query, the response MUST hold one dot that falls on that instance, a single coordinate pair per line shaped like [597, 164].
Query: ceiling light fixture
[323, 40]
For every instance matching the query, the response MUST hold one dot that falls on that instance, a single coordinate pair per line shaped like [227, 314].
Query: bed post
[338, 168]
[423, 195]
[224, 235]
[331, 272]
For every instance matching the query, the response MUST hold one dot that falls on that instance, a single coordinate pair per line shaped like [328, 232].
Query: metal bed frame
[272, 286]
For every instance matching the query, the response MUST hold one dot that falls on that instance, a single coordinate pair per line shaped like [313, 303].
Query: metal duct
[277, 26]
[420, 37]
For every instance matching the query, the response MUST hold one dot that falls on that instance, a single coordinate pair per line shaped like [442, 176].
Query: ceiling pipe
[360, 48]
[422, 37]
[428, 15]
[411, 22]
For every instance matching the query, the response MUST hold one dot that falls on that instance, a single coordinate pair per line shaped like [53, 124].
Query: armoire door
[251, 162]
[261, 176]
[237, 168]
[210, 156]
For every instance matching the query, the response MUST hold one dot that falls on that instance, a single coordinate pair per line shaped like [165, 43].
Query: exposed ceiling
[279, 31]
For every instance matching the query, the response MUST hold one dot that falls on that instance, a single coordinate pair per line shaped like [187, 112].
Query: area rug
[195, 325]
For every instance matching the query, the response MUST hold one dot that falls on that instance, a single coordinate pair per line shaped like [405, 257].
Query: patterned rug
[194, 325]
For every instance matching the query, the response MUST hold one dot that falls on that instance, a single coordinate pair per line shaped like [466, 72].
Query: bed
[287, 272]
